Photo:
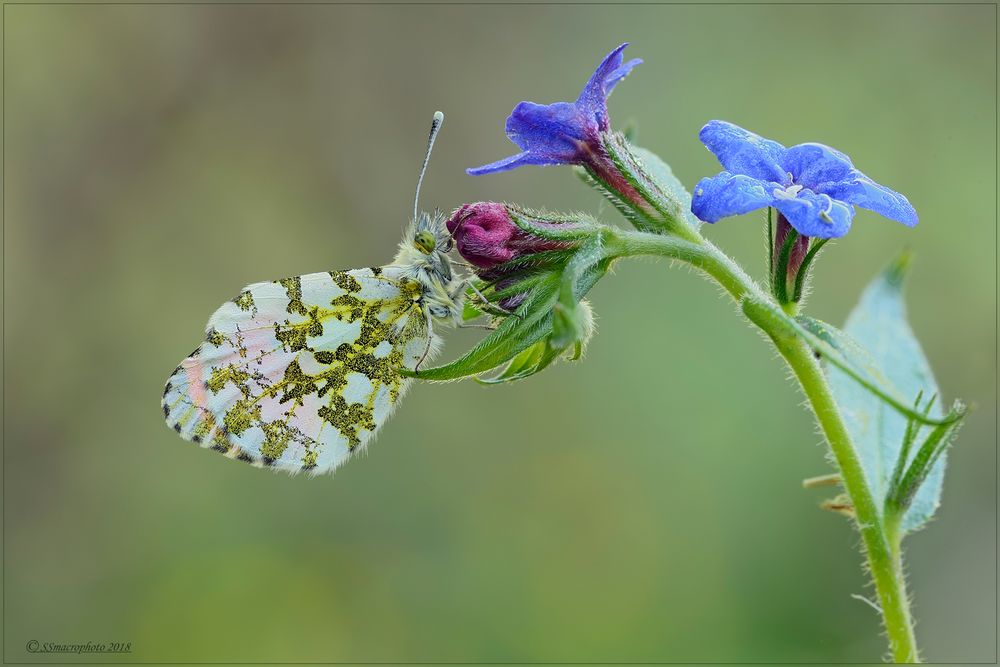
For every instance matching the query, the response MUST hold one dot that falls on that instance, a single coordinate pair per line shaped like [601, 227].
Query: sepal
[663, 183]
[643, 187]
[569, 342]
[905, 487]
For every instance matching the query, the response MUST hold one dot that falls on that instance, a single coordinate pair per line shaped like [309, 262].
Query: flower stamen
[825, 214]
[791, 192]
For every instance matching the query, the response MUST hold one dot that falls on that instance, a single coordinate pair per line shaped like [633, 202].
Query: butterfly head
[425, 241]
[426, 244]
[428, 234]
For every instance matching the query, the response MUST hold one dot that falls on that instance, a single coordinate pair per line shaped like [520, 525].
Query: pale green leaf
[663, 175]
[878, 324]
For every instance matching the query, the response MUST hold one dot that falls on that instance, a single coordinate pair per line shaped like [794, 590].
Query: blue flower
[813, 186]
[564, 132]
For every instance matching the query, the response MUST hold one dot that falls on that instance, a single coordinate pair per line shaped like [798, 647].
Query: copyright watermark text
[35, 646]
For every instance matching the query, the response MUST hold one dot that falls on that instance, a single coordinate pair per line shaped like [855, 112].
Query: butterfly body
[423, 256]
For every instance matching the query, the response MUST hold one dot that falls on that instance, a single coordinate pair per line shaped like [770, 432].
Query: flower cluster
[813, 188]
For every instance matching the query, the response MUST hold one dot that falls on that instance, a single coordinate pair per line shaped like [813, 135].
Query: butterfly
[299, 374]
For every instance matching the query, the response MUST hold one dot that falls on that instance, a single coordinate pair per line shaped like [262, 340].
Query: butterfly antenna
[435, 126]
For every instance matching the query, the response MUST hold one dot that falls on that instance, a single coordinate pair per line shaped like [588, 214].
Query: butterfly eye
[425, 242]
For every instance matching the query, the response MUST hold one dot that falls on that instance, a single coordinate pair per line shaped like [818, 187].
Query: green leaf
[533, 360]
[540, 356]
[663, 175]
[529, 324]
[630, 130]
[878, 324]
[523, 362]
[841, 351]
[516, 333]
[469, 311]
[837, 349]
[566, 328]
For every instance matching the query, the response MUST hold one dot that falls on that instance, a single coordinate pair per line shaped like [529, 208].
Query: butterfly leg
[488, 306]
[427, 350]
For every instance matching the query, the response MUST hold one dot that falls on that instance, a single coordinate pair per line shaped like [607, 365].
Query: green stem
[697, 252]
[881, 543]
[880, 535]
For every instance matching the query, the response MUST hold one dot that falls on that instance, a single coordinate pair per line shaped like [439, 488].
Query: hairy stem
[880, 540]
[699, 253]
[880, 536]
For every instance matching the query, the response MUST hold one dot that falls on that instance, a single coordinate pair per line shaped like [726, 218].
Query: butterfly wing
[298, 374]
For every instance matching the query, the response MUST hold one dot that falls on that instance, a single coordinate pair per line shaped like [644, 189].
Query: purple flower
[813, 187]
[564, 132]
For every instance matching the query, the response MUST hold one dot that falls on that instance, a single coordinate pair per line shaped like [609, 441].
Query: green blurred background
[642, 505]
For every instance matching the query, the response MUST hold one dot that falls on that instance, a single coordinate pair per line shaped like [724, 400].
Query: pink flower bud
[486, 236]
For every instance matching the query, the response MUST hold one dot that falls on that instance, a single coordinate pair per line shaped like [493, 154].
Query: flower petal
[813, 165]
[564, 132]
[555, 129]
[620, 73]
[546, 133]
[593, 100]
[864, 192]
[508, 163]
[730, 194]
[743, 152]
[816, 215]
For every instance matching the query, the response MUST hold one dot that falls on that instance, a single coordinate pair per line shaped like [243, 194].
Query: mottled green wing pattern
[298, 374]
